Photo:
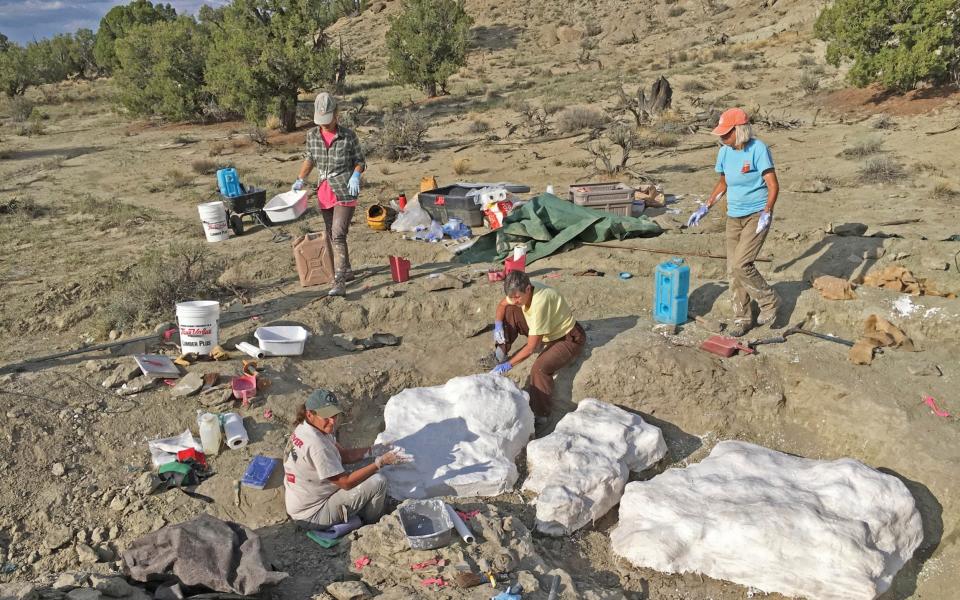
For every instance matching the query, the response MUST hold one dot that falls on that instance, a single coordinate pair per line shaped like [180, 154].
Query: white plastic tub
[282, 340]
[286, 206]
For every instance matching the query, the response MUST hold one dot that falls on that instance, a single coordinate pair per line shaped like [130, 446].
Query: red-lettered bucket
[213, 215]
[399, 269]
[199, 324]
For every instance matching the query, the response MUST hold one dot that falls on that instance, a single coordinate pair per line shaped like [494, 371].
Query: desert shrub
[16, 73]
[662, 139]
[809, 82]
[202, 166]
[161, 278]
[863, 148]
[21, 109]
[676, 11]
[578, 118]
[592, 28]
[217, 148]
[806, 60]
[881, 170]
[427, 43]
[461, 166]
[883, 121]
[108, 212]
[944, 191]
[179, 179]
[693, 85]
[24, 208]
[401, 136]
[272, 123]
[478, 126]
[897, 43]
[160, 70]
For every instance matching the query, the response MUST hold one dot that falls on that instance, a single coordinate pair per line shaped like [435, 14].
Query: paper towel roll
[234, 431]
[250, 350]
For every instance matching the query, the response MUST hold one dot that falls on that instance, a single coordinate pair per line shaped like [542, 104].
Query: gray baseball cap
[323, 108]
[323, 403]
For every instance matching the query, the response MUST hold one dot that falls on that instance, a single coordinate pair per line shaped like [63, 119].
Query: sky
[27, 20]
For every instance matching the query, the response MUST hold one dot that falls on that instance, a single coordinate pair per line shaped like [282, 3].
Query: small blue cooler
[229, 182]
[671, 287]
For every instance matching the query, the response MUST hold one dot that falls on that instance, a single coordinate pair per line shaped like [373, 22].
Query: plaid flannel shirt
[336, 163]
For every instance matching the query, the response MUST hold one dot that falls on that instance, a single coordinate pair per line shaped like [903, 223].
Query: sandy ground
[74, 450]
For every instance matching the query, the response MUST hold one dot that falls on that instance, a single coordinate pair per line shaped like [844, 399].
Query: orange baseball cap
[730, 119]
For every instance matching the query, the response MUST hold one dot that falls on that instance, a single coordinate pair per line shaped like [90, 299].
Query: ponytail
[301, 415]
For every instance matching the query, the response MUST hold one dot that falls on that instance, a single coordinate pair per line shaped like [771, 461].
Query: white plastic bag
[411, 218]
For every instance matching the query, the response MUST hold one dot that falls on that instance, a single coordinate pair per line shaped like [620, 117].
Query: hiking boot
[738, 329]
[339, 288]
[348, 275]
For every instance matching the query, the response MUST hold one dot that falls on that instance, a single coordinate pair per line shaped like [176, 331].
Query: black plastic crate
[452, 201]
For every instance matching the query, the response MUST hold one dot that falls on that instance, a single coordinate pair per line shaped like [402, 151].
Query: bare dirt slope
[85, 204]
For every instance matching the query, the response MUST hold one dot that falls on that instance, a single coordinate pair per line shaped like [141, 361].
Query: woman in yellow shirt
[542, 315]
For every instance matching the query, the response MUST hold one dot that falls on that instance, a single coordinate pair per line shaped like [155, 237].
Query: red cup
[514, 265]
[399, 269]
[402, 201]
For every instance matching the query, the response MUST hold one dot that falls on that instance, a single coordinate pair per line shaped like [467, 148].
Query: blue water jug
[229, 182]
[671, 287]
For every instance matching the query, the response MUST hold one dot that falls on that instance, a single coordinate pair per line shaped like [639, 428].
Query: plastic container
[637, 208]
[452, 201]
[199, 325]
[426, 523]
[234, 432]
[259, 471]
[615, 198]
[244, 388]
[671, 288]
[210, 437]
[312, 257]
[399, 269]
[402, 201]
[286, 206]
[229, 182]
[512, 264]
[281, 340]
[213, 215]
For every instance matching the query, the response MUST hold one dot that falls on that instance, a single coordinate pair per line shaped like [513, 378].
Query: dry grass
[109, 213]
[944, 191]
[478, 126]
[693, 85]
[809, 82]
[578, 118]
[217, 148]
[461, 166]
[179, 179]
[881, 170]
[272, 123]
[863, 148]
[202, 166]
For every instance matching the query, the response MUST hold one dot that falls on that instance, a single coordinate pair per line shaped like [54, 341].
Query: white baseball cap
[323, 108]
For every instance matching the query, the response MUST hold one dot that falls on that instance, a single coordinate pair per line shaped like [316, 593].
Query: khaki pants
[555, 355]
[746, 282]
[336, 223]
[365, 500]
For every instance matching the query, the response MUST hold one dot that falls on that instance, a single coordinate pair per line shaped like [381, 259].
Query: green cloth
[547, 223]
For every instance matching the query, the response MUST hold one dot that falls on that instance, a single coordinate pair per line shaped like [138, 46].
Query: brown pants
[746, 282]
[336, 223]
[555, 355]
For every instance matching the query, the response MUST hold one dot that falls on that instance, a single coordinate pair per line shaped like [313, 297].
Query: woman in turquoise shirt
[750, 182]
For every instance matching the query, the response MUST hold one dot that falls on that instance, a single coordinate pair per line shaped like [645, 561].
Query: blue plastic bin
[229, 182]
[671, 288]
[259, 471]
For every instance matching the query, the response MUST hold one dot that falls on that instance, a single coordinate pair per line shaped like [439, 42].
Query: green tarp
[547, 223]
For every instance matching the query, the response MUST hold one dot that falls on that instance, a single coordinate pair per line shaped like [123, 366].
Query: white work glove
[297, 185]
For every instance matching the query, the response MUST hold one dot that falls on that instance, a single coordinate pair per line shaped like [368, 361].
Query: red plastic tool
[724, 346]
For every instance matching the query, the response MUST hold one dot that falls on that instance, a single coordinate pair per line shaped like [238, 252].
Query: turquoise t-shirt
[743, 170]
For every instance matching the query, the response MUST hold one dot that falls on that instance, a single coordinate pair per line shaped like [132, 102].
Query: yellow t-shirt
[549, 315]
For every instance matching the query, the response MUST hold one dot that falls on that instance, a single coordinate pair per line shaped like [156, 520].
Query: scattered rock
[115, 587]
[816, 186]
[113, 335]
[84, 594]
[188, 385]
[711, 325]
[387, 293]
[70, 580]
[569, 34]
[665, 329]
[99, 534]
[529, 582]
[925, 370]
[793, 236]
[96, 366]
[169, 592]
[847, 229]
[58, 469]
[378, 7]
[18, 591]
[115, 378]
[118, 503]
[57, 537]
[436, 282]
[936, 264]
[854, 259]
[901, 255]
[874, 253]
[86, 554]
[140, 384]
[349, 590]
[146, 484]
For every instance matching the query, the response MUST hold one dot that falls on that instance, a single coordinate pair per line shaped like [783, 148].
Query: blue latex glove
[297, 185]
[499, 337]
[764, 222]
[501, 369]
[507, 596]
[353, 186]
[698, 214]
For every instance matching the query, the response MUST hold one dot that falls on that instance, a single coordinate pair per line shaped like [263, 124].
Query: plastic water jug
[209, 424]
[671, 287]
[229, 182]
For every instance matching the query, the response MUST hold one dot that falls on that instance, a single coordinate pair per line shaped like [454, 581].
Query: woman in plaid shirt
[336, 154]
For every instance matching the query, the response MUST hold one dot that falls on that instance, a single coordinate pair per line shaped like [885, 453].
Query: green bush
[160, 70]
[898, 43]
[258, 60]
[117, 23]
[16, 75]
[427, 43]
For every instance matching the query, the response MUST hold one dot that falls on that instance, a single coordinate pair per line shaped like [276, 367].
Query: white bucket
[199, 324]
[214, 218]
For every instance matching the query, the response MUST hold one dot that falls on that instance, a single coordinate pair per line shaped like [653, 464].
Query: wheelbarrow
[248, 204]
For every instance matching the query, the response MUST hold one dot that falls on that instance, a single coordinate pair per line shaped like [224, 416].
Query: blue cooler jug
[671, 287]
[229, 182]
